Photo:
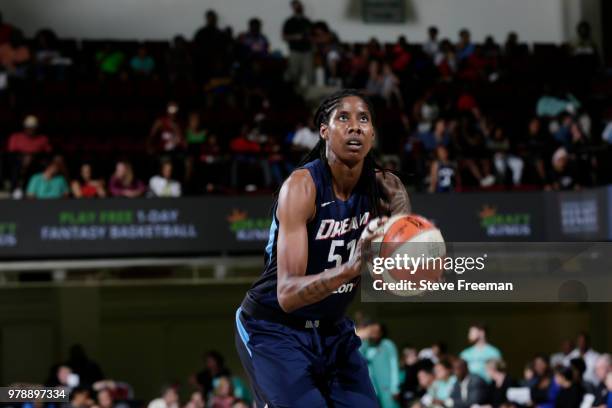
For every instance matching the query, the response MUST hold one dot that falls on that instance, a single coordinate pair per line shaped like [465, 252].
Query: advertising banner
[70, 229]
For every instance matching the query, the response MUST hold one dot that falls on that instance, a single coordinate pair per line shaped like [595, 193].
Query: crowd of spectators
[451, 115]
[478, 376]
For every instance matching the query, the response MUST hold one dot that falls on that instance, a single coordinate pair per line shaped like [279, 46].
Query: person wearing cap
[23, 146]
[29, 141]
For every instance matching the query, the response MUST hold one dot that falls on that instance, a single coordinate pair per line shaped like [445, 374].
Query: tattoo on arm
[316, 289]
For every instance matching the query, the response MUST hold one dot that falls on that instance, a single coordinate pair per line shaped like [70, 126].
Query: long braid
[368, 173]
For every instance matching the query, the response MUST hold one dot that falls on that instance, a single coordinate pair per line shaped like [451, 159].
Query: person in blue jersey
[292, 336]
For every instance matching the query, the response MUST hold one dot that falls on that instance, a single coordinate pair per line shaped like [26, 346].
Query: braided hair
[368, 173]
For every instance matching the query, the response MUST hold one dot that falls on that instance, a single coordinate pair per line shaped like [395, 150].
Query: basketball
[417, 245]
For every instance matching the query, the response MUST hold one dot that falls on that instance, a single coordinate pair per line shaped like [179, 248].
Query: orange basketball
[416, 246]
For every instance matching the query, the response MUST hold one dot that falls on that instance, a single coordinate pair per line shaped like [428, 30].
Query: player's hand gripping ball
[417, 249]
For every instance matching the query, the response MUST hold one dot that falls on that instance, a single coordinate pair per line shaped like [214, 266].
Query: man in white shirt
[305, 138]
[432, 45]
[583, 350]
[162, 184]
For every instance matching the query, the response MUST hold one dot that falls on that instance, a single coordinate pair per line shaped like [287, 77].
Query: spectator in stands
[195, 134]
[603, 367]
[465, 47]
[562, 357]
[142, 64]
[328, 54]
[402, 57]
[469, 389]
[551, 105]
[409, 368]
[223, 394]
[563, 173]
[432, 45]
[609, 388]
[441, 388]
[541, 383]
[390, 87]
[511, 46]
[473, 151]
[197, 400]
[61, 375]
[253, 42]
[49, 61]
[443, 175]
[88, 370]
[583, 350]
[80, 398]
[426, 378]
[109, 60]
[383, 84]
[446, 60]
[50, 183]
[15, 56]
[535, 149]
[305, 137]
[381, 355]
[375, 49]
[498, 145]
[178, 60]
[214, 369]
[166, 134]
[438, 136]
[162, 185]
[279, 166]
[583, 44]
[297, 34]
[123, 183]
[169, 399]
[240, 404]
[425, 111]
[29, 141]
[436, 352]
[5, 30]
[501, 381]
[212, 46]
[374, 84]
[358, 66]
[480, 351]
[247, 148]
[105, 399]
[570, 392]
[23, 147]
[119, 391]
[85, 186]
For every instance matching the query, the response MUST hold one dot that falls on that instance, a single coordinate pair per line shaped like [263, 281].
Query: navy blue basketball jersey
[332, 237]
[446, 177]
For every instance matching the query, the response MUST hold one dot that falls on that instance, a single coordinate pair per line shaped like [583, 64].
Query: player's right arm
[296, 207]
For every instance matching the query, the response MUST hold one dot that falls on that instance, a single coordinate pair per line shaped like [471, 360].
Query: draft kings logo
[504, 224]
[246, 228]
[8, 234]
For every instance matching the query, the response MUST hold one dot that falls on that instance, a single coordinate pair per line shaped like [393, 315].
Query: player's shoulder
[298, 195]
[300, 181]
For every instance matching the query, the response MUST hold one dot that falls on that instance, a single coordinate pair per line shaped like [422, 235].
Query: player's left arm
[395, 197]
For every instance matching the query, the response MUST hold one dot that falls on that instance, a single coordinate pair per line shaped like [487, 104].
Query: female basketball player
[292, 337]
